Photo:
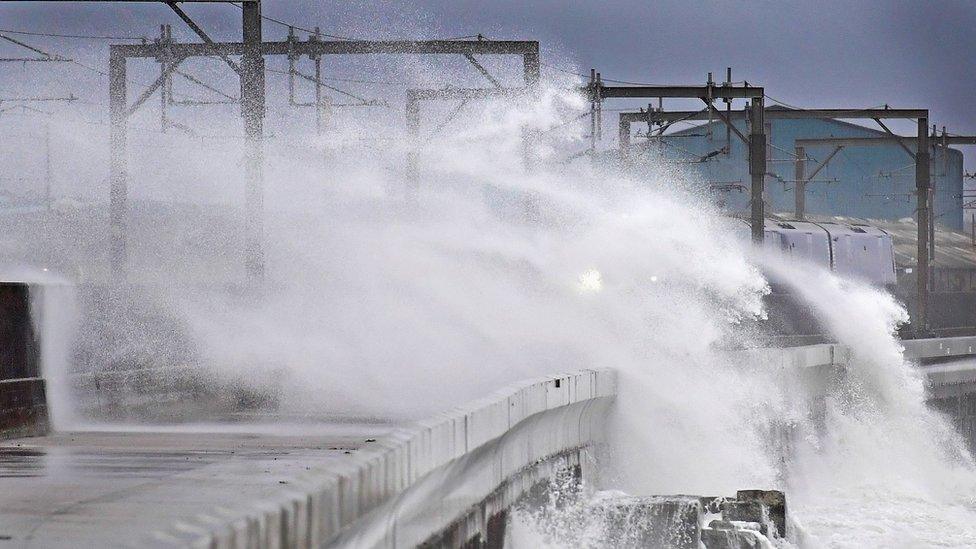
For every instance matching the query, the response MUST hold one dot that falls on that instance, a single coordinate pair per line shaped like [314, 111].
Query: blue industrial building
[875, 182]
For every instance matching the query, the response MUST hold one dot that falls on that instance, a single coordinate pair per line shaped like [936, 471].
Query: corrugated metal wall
[873, 182]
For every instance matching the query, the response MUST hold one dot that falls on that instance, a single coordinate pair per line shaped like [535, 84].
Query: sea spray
[381, 304]
[877, 469]
[53, 315]
[57, 319]
[374, 307]
[888, 470]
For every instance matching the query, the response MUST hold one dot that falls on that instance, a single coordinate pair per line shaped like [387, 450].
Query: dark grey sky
[810, 54]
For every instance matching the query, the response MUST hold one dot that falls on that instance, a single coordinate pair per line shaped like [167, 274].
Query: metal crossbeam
[778, 114]
[417, 94]
[881, 141]
[690, 92]
[341, 47]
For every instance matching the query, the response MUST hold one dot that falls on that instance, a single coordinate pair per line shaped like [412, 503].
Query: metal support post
[593, 95]
[164, 90]
[945, 152]
[318, 88]
[291, 65]
[623, 128]
[169, 76]
[932, 216]
[922, 253]
[47, 163]
[599, 108]
[933, 186]
[800, 187]
[710, 103]
[531, 69]
[413, 148]
[318, 97]
[117, 165]
[934, 192]
[757, 168]
[252, 106]
[728, 114]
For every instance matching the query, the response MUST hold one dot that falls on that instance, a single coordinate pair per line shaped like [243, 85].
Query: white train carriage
[852, 250]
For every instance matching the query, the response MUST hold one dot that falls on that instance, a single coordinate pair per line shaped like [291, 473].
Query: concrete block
[23, 408]
[746, 511]
[775, 503]
[672, 522]
[724, 535]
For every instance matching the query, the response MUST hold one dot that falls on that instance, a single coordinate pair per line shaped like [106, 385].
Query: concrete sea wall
[452, 473]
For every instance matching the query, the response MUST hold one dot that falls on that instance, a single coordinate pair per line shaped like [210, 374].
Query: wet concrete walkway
[116, 488]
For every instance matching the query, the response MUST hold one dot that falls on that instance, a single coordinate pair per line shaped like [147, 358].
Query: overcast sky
[809, 54]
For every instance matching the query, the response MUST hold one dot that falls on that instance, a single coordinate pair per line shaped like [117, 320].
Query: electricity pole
[252, 107]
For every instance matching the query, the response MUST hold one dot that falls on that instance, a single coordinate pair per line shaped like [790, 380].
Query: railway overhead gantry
[906, 143]
[756, 140]
[253, 51]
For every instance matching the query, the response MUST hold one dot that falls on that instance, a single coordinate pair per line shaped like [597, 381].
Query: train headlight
[590, 282]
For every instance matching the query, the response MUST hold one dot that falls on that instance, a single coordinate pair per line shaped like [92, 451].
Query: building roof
[718, 124]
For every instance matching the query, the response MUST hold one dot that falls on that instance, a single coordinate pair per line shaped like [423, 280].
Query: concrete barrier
[450, 473]
[950, 377]
[444, 480]
[23, 406]
[940, 348]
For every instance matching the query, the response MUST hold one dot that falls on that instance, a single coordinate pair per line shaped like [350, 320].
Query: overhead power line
[296, 27]
[78, 36]
[603, 78]
[778, 102]
[328, 87]
[314, 32]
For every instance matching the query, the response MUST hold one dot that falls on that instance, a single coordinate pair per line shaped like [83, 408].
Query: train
[852, 250]
[881, 253]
